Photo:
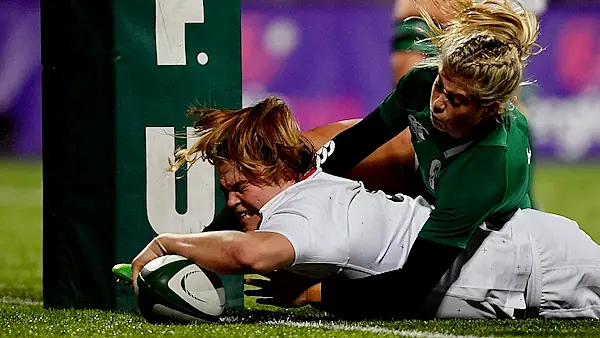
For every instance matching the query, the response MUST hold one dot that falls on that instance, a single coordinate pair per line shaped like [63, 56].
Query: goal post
[117, 79]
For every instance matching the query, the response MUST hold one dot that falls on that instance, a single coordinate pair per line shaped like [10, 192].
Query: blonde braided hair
[487, 44]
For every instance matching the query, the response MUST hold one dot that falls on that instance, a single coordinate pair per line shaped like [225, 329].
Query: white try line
[11, 196]
[19, 301]
[369, 329]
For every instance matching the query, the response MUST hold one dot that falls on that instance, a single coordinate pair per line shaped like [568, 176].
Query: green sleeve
[468, 192]
[392, 113]
[411, 95]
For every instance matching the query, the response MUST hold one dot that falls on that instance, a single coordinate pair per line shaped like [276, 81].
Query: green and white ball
[173, 289]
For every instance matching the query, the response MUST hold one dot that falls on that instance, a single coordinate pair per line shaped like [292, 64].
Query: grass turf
[572, 191]
[33, 320]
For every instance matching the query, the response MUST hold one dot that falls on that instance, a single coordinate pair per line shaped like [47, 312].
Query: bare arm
[390, 168]
[226, 252]
[233, 251]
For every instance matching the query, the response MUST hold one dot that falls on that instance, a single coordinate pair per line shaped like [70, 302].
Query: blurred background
[330, 60]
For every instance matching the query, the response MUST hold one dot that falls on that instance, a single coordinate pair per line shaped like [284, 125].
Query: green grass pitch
[573, 191]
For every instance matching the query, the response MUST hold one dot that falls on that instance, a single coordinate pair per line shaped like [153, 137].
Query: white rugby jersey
[339, 228]
[336, 226]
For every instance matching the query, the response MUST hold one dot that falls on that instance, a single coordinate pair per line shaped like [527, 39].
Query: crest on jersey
[417, 128]
[434, 169]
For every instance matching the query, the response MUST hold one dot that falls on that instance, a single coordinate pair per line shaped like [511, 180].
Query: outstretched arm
[226, 252]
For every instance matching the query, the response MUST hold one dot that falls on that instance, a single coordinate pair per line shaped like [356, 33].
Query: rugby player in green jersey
[472, 146]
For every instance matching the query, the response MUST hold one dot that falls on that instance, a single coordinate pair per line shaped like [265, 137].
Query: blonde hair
[263, 142]
[487, 44]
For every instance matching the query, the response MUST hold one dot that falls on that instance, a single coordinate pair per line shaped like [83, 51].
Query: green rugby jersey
[467, 181]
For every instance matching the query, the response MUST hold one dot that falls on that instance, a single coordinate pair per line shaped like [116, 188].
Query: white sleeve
[313, 241]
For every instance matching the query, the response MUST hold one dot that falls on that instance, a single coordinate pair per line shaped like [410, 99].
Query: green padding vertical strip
[170, 54]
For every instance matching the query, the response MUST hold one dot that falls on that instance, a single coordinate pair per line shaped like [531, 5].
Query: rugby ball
[173, 289]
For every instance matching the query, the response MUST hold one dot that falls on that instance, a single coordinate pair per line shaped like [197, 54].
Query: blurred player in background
[409, 45]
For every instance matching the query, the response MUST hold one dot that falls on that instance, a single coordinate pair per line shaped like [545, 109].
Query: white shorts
[565, 279]
[563, 268]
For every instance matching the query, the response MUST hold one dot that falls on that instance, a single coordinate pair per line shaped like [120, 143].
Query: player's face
[243, 197]
[453, 111]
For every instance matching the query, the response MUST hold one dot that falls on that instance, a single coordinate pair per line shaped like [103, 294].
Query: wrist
[164, 243]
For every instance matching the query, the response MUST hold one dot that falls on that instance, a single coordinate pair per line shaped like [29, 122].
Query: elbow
[249, 257]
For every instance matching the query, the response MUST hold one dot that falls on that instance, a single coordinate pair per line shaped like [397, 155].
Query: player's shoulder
[310, 196]
[486, 154]
[493, 159]
[292, 207]
[298, 201]
[414, 88]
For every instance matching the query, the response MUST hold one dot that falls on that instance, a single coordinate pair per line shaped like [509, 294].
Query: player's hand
[285, 289]
[153, 250]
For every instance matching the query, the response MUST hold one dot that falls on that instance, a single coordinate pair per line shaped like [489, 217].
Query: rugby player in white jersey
[299, 219]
